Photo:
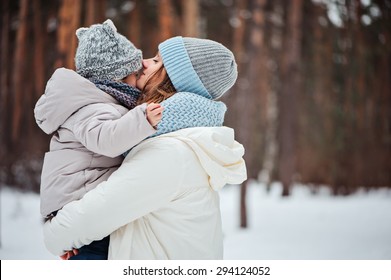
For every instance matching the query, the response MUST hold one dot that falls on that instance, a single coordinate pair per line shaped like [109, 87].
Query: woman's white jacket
[162, 203]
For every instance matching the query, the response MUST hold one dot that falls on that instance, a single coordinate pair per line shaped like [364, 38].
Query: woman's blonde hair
[155, 91]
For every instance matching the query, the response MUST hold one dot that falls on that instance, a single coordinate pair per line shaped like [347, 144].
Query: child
[91, 131]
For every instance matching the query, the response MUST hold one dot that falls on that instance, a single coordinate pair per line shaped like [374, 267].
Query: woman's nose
[145, 63]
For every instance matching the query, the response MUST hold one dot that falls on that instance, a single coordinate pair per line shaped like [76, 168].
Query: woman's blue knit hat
[200, 66]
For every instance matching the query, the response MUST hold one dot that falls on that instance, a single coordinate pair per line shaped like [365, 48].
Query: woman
[162, 203]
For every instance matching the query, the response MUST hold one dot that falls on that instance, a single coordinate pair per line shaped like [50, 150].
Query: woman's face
[150, 66]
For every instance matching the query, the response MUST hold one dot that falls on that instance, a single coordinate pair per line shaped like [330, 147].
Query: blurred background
[312, 104]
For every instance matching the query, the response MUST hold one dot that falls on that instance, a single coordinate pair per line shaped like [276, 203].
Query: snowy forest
[312, 104]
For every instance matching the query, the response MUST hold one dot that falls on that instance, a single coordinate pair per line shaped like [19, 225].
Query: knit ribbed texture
[122, 92]
[212, 63]
[185, 109]
[179, 67]
[105, 54]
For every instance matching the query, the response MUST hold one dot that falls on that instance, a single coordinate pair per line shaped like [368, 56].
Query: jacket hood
[218, 152]
[65, 93]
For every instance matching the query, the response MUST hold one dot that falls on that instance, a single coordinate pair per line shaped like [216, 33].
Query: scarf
[122, 92]
[185, 109]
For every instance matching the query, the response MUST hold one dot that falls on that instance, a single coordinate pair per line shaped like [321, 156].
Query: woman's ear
[81, 31]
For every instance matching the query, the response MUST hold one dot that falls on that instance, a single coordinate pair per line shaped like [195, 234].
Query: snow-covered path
[303, 226]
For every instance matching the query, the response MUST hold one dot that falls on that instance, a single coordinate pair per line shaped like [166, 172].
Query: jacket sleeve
[104, 132]
[147, 180]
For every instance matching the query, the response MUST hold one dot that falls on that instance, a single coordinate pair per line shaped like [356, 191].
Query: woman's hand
[69, 254]
[154, 113]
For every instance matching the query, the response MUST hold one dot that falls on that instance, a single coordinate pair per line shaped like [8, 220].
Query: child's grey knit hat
[103, 53]
[200, 66]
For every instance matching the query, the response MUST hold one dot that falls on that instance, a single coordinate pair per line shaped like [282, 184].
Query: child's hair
[157, 92]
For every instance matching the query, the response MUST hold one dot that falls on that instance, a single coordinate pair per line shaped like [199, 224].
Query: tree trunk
[165, 19]
[190, 18]
[383, 82]
[134, 29]
[90, 13]
[5, 138]
[250, 101]
[232, 100]
[243, 205]
[39, 61]
[4, 86]
[69, 20]
[270, 107]
[100, 11]
[18, 74]
[6, 153]
[290, 74]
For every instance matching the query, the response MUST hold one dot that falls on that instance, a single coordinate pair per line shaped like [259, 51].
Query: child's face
[131, 80]
[150, 66]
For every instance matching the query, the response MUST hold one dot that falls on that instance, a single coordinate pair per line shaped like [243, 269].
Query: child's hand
[69, 254]
[154, 113]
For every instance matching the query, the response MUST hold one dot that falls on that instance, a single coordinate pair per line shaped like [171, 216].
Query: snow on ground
[302, 227]
[308, 227]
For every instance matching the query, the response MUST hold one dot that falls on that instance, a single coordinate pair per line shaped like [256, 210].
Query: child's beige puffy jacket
[91, 131]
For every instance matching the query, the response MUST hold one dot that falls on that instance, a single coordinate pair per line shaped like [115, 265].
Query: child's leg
[97, 250]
